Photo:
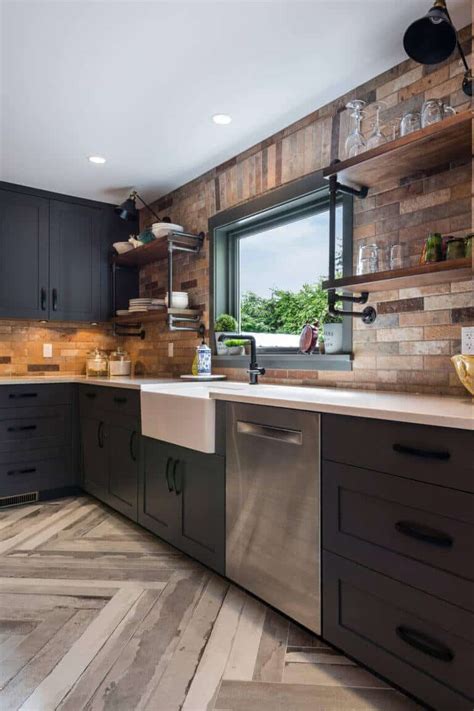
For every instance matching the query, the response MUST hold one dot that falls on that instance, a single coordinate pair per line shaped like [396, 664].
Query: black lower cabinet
[111, 456]
[182, 500]
[417, 641]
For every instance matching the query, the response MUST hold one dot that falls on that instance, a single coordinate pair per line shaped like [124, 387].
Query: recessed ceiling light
[97, 159]
[222, 119]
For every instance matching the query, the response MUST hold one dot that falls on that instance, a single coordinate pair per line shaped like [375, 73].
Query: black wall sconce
[128, 210]
[433, 38]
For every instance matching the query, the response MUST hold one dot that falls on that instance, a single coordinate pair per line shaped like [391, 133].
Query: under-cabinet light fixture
[98, 160]
[222, 119]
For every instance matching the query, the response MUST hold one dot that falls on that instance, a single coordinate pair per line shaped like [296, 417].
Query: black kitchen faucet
[254, 370]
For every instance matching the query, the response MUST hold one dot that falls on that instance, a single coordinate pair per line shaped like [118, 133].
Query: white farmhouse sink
[182, 413]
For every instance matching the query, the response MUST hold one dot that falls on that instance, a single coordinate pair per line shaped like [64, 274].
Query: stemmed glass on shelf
[377, 138]
[355, 141]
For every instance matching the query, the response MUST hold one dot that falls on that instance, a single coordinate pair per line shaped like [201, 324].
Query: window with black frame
[270, 258]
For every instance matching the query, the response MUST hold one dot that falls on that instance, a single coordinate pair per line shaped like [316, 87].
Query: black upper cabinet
[74, 258]
[24, 240]
[55, 255]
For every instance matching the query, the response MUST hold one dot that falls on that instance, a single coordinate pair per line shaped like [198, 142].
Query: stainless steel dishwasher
[273, 507]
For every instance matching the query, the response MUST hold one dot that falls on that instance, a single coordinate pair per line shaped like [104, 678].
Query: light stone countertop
[440, 411]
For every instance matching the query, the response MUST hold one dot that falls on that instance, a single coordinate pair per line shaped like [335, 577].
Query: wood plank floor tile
[97, 614]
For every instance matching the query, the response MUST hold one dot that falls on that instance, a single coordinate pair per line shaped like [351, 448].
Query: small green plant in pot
[235, 346]
[332, 330]
[225, 324]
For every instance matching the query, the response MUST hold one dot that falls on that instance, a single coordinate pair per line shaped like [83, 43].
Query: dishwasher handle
[280, 434]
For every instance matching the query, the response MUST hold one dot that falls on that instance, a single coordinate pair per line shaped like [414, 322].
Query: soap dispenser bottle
[202, 361]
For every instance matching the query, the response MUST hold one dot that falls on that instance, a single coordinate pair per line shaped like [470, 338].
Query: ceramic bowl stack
[161, 229]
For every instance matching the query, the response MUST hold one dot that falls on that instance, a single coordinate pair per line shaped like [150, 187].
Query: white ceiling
[137, 82]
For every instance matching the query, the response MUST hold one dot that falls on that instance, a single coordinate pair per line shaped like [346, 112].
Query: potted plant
[235, 346]
[225, 324]
[332, 331]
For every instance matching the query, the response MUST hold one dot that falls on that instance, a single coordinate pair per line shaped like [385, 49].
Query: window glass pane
[280, 274]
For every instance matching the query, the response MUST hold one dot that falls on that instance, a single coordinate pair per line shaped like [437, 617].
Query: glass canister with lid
[97, 364]
[120, 363]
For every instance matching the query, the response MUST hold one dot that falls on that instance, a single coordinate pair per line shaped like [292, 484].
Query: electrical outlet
[170, 350]
[467, 347]
[47, 350]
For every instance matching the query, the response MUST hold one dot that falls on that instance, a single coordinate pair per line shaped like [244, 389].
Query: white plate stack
[135, 305]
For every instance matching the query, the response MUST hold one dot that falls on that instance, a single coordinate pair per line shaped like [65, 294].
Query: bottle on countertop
[203, 359]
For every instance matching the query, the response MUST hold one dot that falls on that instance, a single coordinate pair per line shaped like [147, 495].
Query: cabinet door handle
[425, 643]
[18, 396]
[170, 486]
[14, 472]
[177, 490]
[442, 454]
[54, 299]
[120, 400]
[22, 428]
[91, 396]
[133, 456]
[424, 533]
[43, 298]
[100, 435]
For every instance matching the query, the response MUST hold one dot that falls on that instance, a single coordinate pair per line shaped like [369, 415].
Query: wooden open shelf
[153, 316]
[151, 252]
[423, 275]
[443, 142]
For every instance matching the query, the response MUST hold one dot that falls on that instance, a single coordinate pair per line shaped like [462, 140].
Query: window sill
[341, 361]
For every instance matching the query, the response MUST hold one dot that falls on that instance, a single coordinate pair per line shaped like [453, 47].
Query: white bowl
[160, 229]
[122, 247]
[180, 300]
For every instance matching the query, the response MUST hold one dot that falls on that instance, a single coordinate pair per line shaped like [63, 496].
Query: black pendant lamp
[433, 38]
[128, 210]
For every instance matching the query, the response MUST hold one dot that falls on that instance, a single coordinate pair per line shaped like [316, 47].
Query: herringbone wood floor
[97, 614]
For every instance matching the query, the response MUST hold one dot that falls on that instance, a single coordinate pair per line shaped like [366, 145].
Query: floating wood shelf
[158, 249]
[424, 275]
[154, 316]
[441, 143]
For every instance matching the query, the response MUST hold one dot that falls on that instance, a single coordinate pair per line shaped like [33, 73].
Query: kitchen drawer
[433, 454]
[421, 643]
[32, 428]
[124, 401]
[36, 475]
[416, 532]
[36, 395]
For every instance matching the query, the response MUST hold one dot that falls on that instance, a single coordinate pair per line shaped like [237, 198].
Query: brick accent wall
[417, 330]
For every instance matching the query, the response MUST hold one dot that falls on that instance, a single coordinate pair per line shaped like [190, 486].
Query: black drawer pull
[177, 490]
[100, 435]
[442, 454]
[120, 400]
[133, 455]
[19, 396]
[424, 533]
[14, 472]
[54, 299]
[424, 643]
[22, 428]
[170, 487]
[91, 396]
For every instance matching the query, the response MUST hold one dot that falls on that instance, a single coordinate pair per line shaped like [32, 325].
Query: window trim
[273, 208]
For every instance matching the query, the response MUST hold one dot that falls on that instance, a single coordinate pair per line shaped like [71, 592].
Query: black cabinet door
[24, 237]
[95, 470]
[123, 446]
[75, 254]
[199, 481]
[159, 507]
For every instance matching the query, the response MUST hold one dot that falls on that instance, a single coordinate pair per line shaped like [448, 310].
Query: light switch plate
[47, 350]
[170, 350]
[467, 344]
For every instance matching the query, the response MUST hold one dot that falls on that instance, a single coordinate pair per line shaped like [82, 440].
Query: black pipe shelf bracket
[177, 242]
[369, 314]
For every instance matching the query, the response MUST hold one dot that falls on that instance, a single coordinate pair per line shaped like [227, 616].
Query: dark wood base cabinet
[182, 500]
[398, 540]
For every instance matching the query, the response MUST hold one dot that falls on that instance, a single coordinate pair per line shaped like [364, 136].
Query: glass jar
[456, 248]
[433, 249]
[119, 363]
[368, 261]
[410, 123]
[469, 239]
[97, 364]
